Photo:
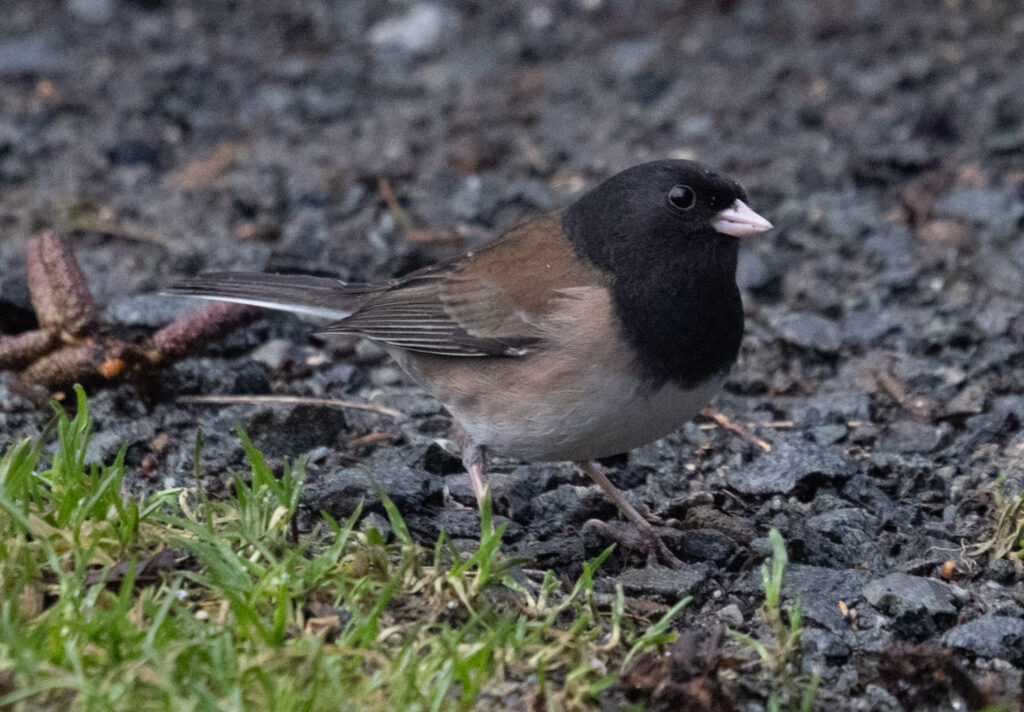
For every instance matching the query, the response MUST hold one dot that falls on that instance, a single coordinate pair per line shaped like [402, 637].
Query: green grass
[781, 655]
[180, 602]
[1007, 538]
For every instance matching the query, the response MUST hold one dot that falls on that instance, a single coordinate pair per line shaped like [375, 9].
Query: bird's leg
[656, 549]
[473, 461]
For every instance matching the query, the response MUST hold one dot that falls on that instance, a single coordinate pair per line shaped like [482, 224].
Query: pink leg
[656, 549]
[473, 461]
[479, 482]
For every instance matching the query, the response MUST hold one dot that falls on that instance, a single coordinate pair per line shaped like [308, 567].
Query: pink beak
[739, 220]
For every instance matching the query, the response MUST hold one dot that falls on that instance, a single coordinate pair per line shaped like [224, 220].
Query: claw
[634, 538]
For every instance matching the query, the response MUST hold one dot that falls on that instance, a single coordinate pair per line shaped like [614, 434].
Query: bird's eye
[682, 197]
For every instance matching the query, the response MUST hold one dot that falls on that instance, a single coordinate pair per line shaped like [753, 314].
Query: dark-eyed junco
[578, 334]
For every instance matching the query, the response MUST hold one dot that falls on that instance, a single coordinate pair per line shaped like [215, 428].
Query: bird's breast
[580, 395]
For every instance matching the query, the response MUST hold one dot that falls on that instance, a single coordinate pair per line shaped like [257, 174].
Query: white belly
[607, 417]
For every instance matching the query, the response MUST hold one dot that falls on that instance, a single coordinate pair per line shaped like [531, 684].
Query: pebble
[417, 31]
[808, 331]
[730, 615]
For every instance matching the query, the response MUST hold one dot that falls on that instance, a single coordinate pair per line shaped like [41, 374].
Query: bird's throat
[683, 317]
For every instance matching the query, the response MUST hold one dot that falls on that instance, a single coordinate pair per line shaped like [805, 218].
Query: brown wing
[487, 303]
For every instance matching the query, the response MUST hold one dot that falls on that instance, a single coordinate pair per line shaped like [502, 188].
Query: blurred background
[257, 134]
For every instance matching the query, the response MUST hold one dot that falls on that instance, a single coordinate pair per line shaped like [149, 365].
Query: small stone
[846, 524]
[95, 11]
[829, 434]
[368, 352]
[991, 637]
[989, 207]
[375, 520]
[707, 545]
[969, 401]
[386, 376]
[730, 615]
[809, 331]
[273, 354]
[908, 436]
[418, 31]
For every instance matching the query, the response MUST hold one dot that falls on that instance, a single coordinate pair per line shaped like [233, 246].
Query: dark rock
[339, 492]
[1003, 571]
[848, 525]
[631, 477]
[567, 505]
[292, 430]
[135, 151]
[515, 491]
[919, 606]
[560, 552]
[787, 466]
[458, 524]
[707, 545]
[991, 637]
[822, 648]
[105, 444]
[251, 380]
[997, 315]
[438, 461]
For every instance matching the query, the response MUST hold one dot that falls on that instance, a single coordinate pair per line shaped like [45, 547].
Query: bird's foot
[637, 538]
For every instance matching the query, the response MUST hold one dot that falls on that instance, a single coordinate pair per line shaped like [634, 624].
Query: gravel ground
[884, 355]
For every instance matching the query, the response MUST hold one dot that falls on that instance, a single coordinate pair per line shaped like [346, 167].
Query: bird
[578, 334]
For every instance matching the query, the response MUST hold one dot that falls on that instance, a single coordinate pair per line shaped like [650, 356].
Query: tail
[317, 296]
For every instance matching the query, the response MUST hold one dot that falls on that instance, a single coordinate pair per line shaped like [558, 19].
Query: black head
[651, 212]
[666, 235]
